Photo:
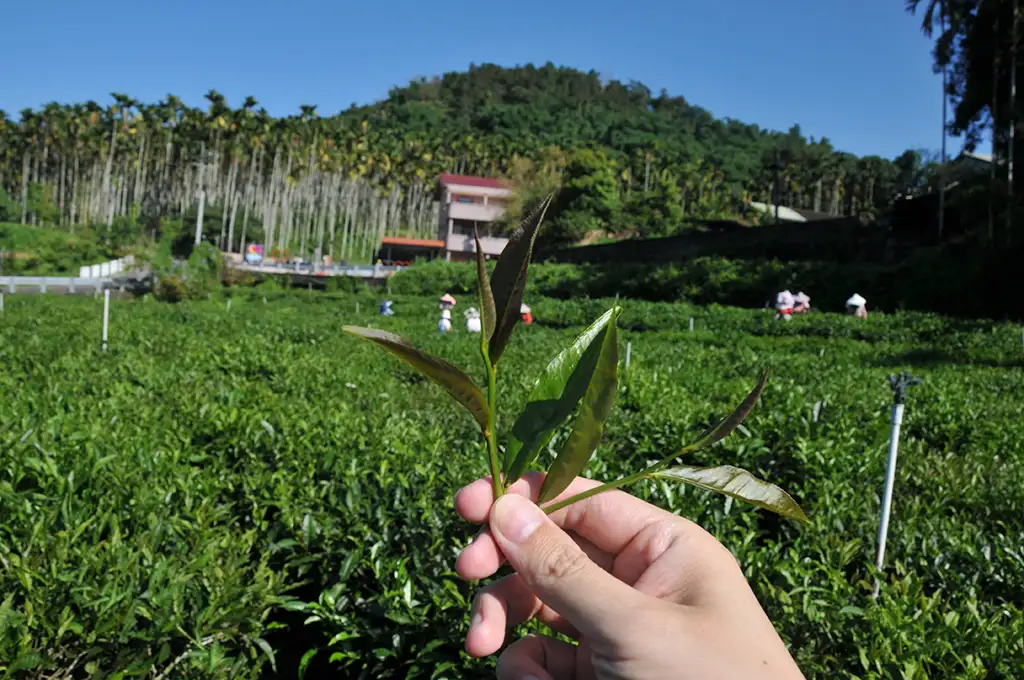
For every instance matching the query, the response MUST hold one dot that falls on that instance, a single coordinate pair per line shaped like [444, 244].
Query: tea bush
[946, 281]
[226, 493]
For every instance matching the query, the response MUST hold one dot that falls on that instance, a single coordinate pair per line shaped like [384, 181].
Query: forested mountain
[627, 161]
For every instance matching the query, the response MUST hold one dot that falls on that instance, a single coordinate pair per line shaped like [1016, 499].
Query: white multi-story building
[466, 202]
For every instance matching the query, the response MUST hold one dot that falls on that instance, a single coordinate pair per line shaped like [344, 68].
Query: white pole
[199, 214]
[1, 302]
[890, 480]
[264, 299]
[357, 308]
[106, 316]
[629, 352]
[691, 324]
[229, 305]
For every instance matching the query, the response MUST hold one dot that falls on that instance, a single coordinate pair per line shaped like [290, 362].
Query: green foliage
[589, 200]
[658, 212]
[594, 384]
[940, 281]
[9, 209]
[195, 279]
[216, 475]
[36, 251]
[629, 160]
[595, 407]
[554, 397]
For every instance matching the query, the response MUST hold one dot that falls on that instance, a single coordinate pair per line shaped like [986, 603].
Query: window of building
[465, 227]
[462, 198]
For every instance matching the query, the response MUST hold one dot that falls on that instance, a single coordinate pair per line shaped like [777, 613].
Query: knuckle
[563, 562]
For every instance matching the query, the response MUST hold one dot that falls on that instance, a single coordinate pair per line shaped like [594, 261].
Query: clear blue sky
[856, 71]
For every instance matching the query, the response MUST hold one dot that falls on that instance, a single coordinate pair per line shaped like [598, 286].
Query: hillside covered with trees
[627, 161]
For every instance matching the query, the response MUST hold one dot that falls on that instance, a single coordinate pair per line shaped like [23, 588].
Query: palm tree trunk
[25, 162]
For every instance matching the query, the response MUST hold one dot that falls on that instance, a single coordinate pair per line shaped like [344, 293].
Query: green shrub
[220, 484]
[171, 288]
[937, 281]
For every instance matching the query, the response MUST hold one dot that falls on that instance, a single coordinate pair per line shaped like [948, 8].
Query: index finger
[609, 520]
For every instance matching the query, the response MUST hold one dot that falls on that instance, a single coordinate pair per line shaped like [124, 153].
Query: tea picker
[385, 308]
[899, 384]
[525, 314]
[802, 303]
[473, 324]
[784, 306]
[857, 306]
[445, 323]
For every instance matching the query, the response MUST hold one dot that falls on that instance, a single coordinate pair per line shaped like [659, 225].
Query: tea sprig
[583, 379]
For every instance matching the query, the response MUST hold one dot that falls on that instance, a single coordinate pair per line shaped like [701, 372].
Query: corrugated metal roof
[416, 242]
[785, 213]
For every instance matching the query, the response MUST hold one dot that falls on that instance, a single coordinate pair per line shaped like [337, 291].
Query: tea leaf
[304, 661]
[594, 411]
[509, 278]
[268, 650]
[720, 431]
[484, 290]
[452, 379]
[554, 397]
[737, 483]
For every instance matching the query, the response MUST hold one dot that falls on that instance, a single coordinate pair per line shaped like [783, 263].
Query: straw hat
[448, 298]
[856, 301]
[524, 309]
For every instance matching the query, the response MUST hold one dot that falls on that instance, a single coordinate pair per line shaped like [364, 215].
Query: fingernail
[516, 517]
[529, 677]
[477, 619]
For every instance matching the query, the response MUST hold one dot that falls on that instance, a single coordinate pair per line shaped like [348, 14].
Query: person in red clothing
[525, 314]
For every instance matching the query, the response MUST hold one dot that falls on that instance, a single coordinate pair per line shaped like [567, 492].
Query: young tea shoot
[583, 379]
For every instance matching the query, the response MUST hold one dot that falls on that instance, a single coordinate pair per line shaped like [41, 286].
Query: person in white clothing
[473, 324]
[857, 306]
[784, 305]
[801, 303]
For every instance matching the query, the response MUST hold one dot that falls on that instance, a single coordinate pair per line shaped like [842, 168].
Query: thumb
[559, 572]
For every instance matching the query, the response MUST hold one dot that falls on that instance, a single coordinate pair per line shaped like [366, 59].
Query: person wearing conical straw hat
[445, 324]
[857, 306]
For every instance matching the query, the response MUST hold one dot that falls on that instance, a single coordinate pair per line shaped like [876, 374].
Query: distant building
[787, 214]
[465, 202]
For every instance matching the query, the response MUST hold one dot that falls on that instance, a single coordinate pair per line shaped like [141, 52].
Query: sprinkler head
[899, 384]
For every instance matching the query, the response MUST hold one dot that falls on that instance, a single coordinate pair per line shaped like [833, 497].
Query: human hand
[646, 593]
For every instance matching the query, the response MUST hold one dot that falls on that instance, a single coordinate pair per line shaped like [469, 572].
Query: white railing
[107, 269]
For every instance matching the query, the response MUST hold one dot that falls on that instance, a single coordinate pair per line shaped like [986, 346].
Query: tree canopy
[628, 161]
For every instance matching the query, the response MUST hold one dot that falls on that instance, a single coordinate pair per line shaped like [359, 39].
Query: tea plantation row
[235, 494]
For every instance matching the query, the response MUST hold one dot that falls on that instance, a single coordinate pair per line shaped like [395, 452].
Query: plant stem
[491, 434]
[607, 486]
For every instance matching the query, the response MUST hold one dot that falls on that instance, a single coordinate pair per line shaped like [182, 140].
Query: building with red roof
[466, 202]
